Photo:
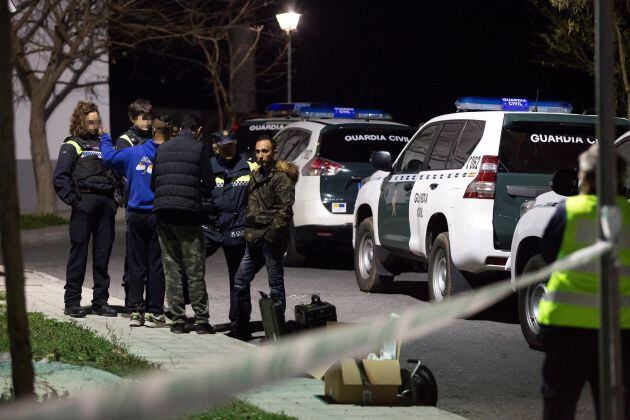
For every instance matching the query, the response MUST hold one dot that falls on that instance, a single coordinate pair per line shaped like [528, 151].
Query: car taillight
[484, 184]
[320, 166]
[234, 127]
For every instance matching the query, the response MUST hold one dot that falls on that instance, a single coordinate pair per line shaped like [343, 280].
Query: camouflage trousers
[183, 254]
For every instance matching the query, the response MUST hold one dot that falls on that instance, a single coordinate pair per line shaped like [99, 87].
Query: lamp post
[288, 22]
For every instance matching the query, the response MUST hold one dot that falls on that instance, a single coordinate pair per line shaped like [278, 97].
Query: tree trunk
[17, 321]
[243, 67]
[46, 197]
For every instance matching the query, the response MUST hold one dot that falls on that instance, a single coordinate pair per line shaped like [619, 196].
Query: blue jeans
[257, 254]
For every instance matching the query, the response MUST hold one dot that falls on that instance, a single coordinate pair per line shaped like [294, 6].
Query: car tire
[440, 273]
[365, 271]
[528, 298]
[292, 257]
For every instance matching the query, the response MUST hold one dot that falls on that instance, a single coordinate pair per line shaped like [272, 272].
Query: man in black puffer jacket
[182, 177]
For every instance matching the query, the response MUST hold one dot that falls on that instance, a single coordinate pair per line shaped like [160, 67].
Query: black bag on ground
[272, 315]
[315, 314]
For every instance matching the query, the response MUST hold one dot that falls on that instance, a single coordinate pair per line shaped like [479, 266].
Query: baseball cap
[222, 138]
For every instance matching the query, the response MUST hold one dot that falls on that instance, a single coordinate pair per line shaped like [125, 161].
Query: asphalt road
[483, 366]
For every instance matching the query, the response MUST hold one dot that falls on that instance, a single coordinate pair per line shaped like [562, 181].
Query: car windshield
[356, 144]
[544, 147]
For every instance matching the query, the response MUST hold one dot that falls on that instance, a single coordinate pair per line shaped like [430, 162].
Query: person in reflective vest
[569, 312]
[226, 227]
[82, 181]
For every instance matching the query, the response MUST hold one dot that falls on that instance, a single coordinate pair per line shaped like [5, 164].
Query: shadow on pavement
[415, 289]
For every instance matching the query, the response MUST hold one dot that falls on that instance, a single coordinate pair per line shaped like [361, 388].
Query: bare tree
[54, 42]
[224, 38]
[21, 355]
[568, 40]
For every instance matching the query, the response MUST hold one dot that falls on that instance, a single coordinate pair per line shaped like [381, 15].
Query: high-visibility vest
[572, 297]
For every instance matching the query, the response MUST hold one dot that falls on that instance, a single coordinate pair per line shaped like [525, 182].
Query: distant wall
[57, 130]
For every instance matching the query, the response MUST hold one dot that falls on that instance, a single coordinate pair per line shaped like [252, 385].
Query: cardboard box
[368, 382]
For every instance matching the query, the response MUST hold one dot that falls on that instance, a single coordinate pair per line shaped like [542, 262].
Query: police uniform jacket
[229, 198]
[80, 169]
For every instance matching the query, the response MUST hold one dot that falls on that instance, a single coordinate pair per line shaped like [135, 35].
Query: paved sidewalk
[298, 397]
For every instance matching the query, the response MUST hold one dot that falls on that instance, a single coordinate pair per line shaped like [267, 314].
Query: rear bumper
[313, 238]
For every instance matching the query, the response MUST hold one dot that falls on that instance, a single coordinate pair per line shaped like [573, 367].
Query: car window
[291, 143]
[624, 151]
[357, 142]
[473, 131]
[443, 144]
[413, 156]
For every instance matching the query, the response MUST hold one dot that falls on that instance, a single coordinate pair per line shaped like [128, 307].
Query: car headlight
[526, 206]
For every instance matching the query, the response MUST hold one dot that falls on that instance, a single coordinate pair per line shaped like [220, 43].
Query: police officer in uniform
[229, 197]
[82, 181]
[569, 311]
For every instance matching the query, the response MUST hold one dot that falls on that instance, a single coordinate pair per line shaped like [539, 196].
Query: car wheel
[440, 269]
[528, 299]
[292, 257]
[365, 263]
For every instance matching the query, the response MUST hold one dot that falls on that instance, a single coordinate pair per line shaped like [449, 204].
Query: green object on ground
[238, 410]
[72, 344]
[36, 221]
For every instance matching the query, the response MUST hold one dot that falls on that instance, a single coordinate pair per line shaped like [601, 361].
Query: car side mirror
[381, 160]
[565, 182]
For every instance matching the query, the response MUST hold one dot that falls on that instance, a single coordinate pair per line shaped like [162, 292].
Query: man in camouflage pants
[182, 176]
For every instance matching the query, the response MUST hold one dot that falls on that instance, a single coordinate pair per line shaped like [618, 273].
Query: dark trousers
[92, 217]
[145, 264]
[233, 257]
[257, 255]
[571, 360]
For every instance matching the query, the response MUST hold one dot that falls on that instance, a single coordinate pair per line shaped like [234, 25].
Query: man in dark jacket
[82, 181]
[139, 114]
[269, 212]
[227, 229]
[182, 175]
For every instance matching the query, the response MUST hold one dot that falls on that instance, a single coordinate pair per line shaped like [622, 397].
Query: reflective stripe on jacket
[230, 197]
[572, 298]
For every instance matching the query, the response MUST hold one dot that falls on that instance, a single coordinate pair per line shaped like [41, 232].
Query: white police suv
[332, 147]
[526, 246]
[452, 198]
[277, 116]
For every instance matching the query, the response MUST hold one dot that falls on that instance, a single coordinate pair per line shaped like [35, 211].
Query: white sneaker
[154, 321]
[136, 319]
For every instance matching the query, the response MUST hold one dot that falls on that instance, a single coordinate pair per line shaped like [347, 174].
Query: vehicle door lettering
[421, 198]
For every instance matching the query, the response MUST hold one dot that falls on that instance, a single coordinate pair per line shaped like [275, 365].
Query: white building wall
[57, 129]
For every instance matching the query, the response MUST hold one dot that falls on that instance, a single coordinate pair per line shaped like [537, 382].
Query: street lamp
[288, 22]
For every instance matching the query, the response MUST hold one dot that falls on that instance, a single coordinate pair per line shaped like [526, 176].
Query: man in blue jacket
[143, 247]
[229, 197]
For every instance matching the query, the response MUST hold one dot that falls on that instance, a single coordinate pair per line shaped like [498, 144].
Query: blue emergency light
[344, 112]
[475, 103]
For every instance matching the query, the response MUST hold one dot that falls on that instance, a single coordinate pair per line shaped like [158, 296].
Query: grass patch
[238, 410]
[72, 344]
[36, 221]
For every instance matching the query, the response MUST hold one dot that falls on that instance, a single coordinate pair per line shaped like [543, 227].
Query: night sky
[413, 58]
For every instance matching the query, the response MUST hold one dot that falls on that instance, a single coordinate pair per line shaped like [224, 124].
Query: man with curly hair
[82, 181]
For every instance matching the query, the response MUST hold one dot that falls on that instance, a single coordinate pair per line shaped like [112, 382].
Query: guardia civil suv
[450, 201]
[332, 148]
[527, 244]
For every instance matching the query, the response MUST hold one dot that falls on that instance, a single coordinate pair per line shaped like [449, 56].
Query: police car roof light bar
[344, 112]
[476, 103]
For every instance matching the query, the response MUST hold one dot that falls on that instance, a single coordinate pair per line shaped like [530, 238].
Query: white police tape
[216, 379]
